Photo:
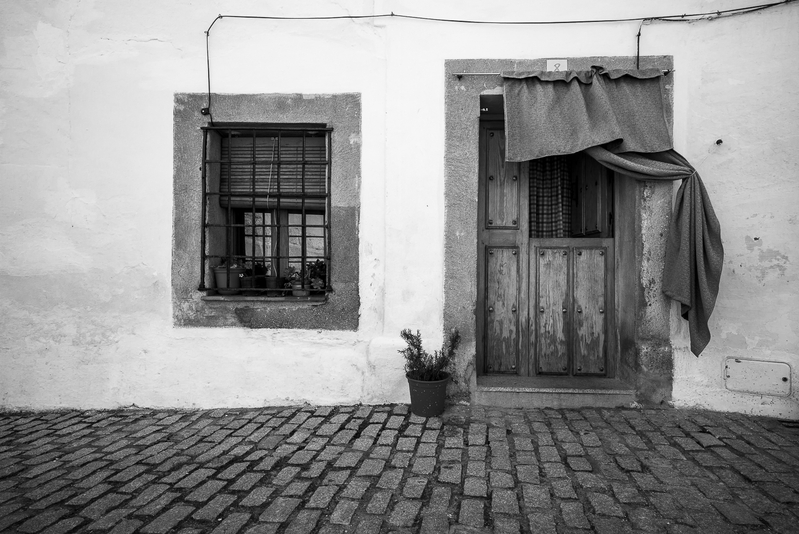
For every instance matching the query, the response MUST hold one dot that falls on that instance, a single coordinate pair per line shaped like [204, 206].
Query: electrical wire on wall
[685, 17]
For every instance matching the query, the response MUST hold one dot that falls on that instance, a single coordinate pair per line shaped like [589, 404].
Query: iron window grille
[266, 210]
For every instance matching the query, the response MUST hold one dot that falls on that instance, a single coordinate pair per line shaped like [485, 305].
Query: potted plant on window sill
[317, 275]
[427, 378]
[228, 278]
[273, 283]
[297, 281]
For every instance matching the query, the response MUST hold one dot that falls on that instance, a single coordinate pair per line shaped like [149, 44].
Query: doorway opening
[545, 261]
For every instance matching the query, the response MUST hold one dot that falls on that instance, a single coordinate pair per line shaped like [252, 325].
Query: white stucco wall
[86, 92]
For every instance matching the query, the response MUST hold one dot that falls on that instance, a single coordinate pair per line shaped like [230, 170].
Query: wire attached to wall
[685, 17]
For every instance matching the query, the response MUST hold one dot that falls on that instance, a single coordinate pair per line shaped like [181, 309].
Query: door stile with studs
[502, 257]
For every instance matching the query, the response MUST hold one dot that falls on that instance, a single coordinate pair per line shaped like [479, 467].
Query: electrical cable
[685, 17]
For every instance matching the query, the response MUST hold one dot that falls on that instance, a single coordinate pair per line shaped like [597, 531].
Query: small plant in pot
[228, 278]
[426, 373]
[297, 281]
[317, 274]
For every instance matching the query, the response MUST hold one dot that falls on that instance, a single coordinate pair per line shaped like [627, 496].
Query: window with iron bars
[266, 210]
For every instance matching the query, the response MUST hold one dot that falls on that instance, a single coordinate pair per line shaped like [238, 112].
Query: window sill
[299, 301]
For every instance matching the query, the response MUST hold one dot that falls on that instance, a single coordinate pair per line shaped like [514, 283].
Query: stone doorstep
[551, 392]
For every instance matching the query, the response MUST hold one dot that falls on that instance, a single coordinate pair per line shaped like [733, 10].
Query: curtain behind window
[550, 197]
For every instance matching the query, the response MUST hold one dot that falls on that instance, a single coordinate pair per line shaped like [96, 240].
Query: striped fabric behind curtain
[550, 197]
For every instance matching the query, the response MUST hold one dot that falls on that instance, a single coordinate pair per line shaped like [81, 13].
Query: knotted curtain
[617, 117]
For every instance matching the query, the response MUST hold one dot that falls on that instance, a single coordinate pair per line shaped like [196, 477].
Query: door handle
[513, 309]
[490, 309]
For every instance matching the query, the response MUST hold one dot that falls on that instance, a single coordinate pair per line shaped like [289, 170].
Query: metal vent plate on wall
[758, 377]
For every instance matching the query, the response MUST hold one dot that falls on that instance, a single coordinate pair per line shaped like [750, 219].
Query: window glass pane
[258, 237]
[314, 237]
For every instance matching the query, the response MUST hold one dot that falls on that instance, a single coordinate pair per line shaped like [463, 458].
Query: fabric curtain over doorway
[617, 118]
[550, 197]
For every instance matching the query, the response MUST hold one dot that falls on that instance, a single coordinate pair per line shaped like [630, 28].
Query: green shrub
[421, 365]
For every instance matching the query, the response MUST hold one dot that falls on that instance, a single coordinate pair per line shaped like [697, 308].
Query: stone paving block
[563, 489]
[390, 479]
[536, 496]
[475, 487]
[578, 463]
[42, 520]
[554, 470]
[404, 513]
[296, 489]
[434, 523]
[279, 510]
[367, 525]
[504, 501]
[414, 487]
[401, 459]
[213, 509]
[542, 523]
[501, 479]
[387, 437]
[348, 459]
[476, 469]
[257, 497]
[549, 454]
[206, 491]
[168, 520]
[337, 477]
[378, 503]
[427, 449]
[605, 504]
[506, 525]
[355, 488]
[342, 513]
[64, 526]
[381, 451]
[232, 523]
[304, 523]
[574, 515]
[246, 481]
[450, 473]
[736, 514]
[471, 513]
[424, 465]
[430, 436]
[439, 499]
[99, 507]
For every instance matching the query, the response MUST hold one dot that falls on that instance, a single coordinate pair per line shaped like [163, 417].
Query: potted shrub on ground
[427, 378]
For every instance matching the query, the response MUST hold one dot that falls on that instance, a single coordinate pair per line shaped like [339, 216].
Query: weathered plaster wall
[86, 99]
[741, 90]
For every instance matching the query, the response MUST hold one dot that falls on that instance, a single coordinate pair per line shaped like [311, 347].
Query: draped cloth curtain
[550, 197]
[617, 117]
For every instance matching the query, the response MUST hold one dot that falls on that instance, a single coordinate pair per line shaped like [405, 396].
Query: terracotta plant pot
[298, 291]
[428, 397]
[222, 285]
[274, 283]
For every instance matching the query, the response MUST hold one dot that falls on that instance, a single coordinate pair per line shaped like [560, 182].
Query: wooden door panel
[551, 309]
[502, 185]
[590, 310]
[501, 309]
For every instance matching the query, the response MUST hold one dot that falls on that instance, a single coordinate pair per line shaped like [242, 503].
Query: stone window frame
[340, 310]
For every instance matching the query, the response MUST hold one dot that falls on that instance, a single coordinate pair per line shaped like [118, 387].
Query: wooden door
[543, 304]
[502, 256]
[571, 291]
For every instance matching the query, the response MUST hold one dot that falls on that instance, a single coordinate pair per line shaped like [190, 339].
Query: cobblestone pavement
[373, 469]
